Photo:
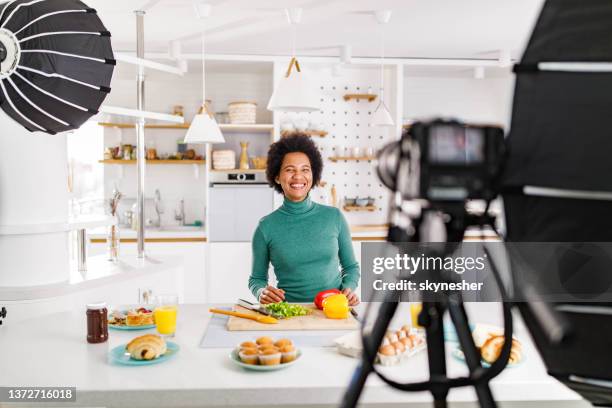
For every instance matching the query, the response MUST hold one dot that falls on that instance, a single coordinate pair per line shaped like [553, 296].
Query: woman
[306, 242]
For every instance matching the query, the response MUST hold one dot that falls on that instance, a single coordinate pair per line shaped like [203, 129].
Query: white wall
[471, 100]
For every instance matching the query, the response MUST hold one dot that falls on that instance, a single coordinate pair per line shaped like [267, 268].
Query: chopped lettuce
[284, 309]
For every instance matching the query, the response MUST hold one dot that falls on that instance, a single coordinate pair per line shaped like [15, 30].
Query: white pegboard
[348, 124]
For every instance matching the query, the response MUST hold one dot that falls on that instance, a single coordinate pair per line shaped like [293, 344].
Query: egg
[399, 347]
[387, 350]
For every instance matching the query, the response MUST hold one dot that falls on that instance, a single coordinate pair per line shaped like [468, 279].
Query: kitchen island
[52, 351]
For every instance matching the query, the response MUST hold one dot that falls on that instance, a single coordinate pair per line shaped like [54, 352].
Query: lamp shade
[294, 93]
[204, 129]
[382, 116]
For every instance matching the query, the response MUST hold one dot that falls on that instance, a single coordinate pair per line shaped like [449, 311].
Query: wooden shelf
[130, 162]
[147, 126]
[360, 208]
[320, 133]
[369, 97]
[239, 171]
[257, 127]
[225, 127]
[340, 158]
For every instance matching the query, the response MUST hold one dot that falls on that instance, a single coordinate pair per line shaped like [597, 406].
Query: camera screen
[456, 145]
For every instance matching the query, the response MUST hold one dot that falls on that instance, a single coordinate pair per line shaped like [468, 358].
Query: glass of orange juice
[415, 310]
[166, 308]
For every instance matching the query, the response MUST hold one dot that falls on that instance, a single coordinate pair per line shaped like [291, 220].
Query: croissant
[491, 349]
[147, 347]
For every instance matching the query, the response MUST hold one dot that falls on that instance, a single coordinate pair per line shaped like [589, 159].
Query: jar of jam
[97, 322]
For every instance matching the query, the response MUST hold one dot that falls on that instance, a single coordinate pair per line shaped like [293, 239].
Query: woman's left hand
[352, 297]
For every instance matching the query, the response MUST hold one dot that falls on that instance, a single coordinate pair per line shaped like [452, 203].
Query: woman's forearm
[261, 260]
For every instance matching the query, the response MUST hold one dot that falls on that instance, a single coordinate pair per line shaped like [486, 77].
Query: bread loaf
[491, 349]
[147, 347]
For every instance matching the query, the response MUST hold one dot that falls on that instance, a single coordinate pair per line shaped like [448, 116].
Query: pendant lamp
[204, 127]
[382, 116]
[294, 92]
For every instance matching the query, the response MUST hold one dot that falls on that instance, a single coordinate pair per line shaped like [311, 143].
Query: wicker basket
[242, 112]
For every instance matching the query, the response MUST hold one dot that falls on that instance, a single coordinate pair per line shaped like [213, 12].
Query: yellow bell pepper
[336, 307]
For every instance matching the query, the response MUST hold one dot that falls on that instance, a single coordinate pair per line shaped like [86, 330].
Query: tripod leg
[431, 318]
[371, 343]
[472, 356]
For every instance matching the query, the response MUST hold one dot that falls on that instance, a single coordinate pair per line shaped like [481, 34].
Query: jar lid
[96, 306]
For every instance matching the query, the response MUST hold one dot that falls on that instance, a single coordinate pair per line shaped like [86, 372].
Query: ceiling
[466, 29]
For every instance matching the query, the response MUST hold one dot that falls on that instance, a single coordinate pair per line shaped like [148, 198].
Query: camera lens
[3, 52]
[387, 164]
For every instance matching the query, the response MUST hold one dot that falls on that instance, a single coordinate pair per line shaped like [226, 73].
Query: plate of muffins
[265, 354]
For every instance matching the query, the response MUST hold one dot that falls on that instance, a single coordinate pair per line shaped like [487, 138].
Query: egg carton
[350, 345]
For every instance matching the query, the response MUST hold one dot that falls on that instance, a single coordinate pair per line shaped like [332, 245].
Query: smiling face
[295, 176]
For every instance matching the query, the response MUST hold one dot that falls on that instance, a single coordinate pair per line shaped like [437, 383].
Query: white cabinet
[230, 268]
[235, 211]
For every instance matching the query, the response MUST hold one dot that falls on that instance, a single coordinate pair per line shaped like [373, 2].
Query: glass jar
[97, 323]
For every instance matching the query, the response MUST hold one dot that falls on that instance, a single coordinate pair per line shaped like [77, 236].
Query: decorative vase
[244, 156]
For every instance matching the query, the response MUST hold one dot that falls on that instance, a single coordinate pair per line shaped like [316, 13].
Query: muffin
[288, 353]
[406, 328]
[283, 342]
[264, 340]
[248, 344]
[270, 357]
[249, 356]
[267, 347]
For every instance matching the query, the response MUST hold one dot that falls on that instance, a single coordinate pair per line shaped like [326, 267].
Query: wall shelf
[368, 97]
[239, 171]
[130, 162]
[226, 127]
[350, 208]
[336, 159]
[147, 126]
[320, 133]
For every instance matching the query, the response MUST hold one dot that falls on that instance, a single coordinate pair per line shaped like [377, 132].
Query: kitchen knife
[257, 308]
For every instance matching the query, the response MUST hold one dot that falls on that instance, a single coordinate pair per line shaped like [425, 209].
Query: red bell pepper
[318, 300]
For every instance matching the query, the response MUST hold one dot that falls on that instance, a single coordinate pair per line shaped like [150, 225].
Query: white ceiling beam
[440, 62]
[272, 19]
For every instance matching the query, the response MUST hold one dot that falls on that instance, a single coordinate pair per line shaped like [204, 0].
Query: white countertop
[99, 272]
[52, 351]
[164, 232]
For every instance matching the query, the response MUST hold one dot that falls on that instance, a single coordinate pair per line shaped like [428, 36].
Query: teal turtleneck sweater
[306, 243]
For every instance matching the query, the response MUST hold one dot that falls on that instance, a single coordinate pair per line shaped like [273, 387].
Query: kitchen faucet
[180, 215]
[159, 207]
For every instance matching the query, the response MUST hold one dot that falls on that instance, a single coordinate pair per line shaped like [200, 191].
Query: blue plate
[144, 327]
[118, 355]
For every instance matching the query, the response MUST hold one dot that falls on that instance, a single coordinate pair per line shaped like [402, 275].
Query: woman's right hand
[271, 295]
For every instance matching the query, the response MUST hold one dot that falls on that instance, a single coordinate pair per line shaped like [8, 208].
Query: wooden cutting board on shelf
[316, 320]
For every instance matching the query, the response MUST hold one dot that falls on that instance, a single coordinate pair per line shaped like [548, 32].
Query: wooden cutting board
[316, 320]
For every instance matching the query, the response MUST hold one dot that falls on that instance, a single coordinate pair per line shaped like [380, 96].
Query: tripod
[457, 220]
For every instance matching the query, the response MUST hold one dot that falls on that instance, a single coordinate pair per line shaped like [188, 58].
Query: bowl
[349, 201]
[361, 202]
[259, 162]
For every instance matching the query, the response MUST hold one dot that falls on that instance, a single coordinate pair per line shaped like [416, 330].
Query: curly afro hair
[298, 142]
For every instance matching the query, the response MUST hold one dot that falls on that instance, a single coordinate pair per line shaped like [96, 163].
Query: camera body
[444, 161]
